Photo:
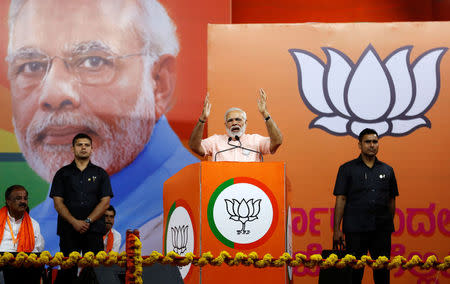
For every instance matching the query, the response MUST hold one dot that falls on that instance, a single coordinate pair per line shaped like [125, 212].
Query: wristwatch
[88, 220]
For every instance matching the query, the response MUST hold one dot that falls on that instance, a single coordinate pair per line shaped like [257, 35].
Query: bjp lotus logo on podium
[242, 213]
[179, 235]
[390, 95]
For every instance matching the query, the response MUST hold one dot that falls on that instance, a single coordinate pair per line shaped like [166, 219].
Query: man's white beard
[239, 133]
[119, 148]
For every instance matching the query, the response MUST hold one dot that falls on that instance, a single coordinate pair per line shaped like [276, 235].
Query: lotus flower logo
[179, 238]
[390, 96]
[244, 211]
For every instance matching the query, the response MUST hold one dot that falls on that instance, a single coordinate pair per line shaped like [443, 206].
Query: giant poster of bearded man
[105, 68]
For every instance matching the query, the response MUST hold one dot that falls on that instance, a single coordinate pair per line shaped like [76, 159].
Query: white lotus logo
[390, 95]
[244, 211]
[179, 238]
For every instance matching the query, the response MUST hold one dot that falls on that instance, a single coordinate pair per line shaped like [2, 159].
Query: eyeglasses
[95, 68]
[237, 119]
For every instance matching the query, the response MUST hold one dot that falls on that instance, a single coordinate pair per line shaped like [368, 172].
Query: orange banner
[325, 83]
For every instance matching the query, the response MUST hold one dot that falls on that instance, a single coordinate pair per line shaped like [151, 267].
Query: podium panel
[231, 206]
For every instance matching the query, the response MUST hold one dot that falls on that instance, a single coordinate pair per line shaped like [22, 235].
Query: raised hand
[262, 100]
[206, 108]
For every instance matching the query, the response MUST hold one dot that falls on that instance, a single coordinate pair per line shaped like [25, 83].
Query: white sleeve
[117, 241]
[39, 241]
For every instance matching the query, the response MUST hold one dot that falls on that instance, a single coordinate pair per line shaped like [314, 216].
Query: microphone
[232, 147]
[243, 148]
[238, 140]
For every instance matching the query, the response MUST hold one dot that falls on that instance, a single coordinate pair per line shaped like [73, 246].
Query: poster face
[127, 73]
[327, 82]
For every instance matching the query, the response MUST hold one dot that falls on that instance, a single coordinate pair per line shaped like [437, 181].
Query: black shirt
[81, 191]
[368, 192]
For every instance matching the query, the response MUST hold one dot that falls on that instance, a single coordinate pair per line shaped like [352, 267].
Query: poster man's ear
[164, 76]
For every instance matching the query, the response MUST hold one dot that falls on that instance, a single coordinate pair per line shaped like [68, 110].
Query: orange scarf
[110, 241]
[26, 232]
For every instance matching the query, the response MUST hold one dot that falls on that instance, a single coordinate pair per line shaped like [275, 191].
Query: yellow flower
[74, 260]
[44, 258]
[227, 258]
[153, 258]
[380, 262]
[250, 259]
[431, 260]
[286, 256]
[204, 259]
[111, 258]
[396, 262]
[86, 261]
[239, 257]
[414, 261]
[122, 259]
[359, 264]
[298, 260]
[169, 258]
[101, 256]
[19, 259]
[56, 260]
[445, 265]
[329, 261]
[188, 258]
[316, 258]
[31, 261]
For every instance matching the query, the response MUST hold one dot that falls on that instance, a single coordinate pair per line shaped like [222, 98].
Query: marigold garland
[250, 259]
[134, 260]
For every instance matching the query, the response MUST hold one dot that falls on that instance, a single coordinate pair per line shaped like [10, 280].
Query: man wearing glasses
[236, 145]
[105, 68]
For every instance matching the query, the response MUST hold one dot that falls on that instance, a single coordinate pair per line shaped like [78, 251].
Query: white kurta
[7, 243]
[117, 240]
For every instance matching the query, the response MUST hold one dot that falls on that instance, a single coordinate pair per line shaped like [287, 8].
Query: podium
[231, 206]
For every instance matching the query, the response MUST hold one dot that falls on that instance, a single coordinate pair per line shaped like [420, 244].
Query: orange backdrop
[243, 58]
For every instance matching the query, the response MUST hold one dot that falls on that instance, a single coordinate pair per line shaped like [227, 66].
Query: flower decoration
[133, 261]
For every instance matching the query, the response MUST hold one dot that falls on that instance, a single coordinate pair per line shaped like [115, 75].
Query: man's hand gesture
[262, 101]
[206, 108]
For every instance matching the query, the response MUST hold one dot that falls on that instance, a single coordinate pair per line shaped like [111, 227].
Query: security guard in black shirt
[365, 193]
[81, 193]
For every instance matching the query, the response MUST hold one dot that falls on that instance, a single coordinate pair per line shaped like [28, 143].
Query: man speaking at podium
[236, 145]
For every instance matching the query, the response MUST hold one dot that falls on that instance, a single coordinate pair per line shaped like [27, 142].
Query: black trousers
[82, 243]
[378, 244]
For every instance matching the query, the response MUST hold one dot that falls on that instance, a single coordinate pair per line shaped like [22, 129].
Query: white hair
[152, 21]
[244, 114]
